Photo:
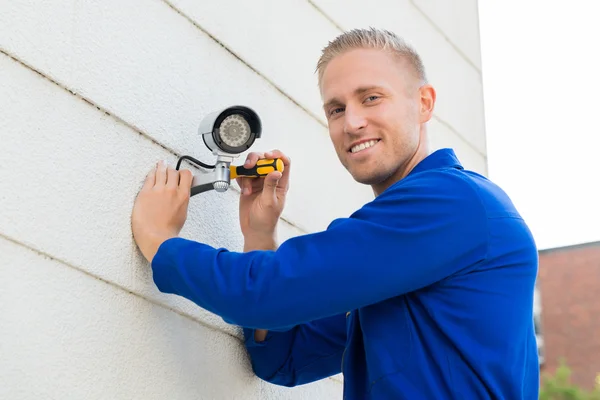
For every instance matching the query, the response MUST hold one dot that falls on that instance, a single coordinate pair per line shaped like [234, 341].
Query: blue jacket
[426, 292]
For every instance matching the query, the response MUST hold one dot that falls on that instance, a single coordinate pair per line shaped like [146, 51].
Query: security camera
[230, 131]
[227, 133]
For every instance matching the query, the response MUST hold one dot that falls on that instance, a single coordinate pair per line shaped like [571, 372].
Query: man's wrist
[256, 242]
[153, 244]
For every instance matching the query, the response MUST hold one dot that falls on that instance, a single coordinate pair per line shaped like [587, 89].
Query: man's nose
[354, 120]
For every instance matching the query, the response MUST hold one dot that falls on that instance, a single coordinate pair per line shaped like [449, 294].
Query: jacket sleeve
[306, 353]
[411, 236]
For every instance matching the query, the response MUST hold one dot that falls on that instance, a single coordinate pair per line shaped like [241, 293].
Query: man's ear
[427, 97]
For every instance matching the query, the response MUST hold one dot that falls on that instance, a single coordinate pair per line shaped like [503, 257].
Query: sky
[541, 83]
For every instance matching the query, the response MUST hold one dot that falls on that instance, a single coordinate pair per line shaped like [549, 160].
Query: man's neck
[402, 172]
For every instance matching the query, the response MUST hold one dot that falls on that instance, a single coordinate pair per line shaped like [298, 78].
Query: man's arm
[416, 233]
[251, 244]
[303, 354]
[306, 353]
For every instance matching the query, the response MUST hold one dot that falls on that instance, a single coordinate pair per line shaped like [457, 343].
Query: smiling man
[426, 292]
[375, 117]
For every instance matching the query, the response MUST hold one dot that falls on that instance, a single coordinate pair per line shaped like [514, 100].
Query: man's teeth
[363, 146]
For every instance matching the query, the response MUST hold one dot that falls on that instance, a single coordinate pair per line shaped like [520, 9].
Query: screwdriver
[262, 168]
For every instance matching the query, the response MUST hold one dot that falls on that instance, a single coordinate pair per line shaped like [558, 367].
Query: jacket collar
[442, 158]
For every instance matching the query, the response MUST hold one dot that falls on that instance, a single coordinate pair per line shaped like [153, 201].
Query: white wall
[92, 94]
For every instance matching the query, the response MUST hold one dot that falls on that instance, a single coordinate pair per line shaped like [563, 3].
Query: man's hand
[261, 205]
[160, 209]
[262, 202]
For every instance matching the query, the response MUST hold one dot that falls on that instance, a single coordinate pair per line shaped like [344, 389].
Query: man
[424, 293]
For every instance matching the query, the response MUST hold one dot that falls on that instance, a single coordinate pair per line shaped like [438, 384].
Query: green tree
[559, 386]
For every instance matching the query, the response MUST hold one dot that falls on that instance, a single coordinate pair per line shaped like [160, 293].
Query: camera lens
[234, 131]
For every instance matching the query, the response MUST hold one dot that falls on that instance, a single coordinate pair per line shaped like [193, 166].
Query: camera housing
[226, 133]
[230, 131]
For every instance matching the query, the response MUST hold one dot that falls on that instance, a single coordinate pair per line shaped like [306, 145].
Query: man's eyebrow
[332, 102]
[364, 89]
[357, 91]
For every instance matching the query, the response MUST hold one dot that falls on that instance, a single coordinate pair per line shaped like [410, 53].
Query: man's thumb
[270, 185]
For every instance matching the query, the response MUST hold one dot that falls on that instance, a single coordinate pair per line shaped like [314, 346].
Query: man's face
[373, 105]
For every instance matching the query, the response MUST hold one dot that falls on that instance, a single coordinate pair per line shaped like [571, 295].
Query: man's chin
[367, 179]
[366, 173]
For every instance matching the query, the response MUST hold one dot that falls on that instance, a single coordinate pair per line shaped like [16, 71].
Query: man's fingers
[172, 178]
[252, 158]
[270, 182]
[287, 165]
[150, 179]
[161, 174]
[248, 185]
[241, 183]
[278, 154]
[185, 183]
[185, 179]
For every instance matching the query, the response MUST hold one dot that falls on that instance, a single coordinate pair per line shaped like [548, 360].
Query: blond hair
[371, 38]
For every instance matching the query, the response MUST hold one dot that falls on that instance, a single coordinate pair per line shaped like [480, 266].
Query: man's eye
[340, 109]
[372, 97]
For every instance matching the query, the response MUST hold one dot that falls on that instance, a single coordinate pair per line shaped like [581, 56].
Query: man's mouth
[364, 145]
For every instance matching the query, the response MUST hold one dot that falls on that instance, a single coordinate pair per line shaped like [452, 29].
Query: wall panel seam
[420, 11]
[461, 137]
[441, 32]
[127, 124]
[273, 84]
[230, 51]
[325, 15]
[113, 284]
[246, 63]
[89, 102]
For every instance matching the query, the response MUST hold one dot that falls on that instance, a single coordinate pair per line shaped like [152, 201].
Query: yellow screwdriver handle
[262, 168]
